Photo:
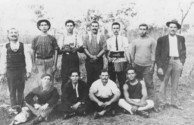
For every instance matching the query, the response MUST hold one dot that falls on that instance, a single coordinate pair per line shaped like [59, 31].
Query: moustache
[14, 36]
[94, 29]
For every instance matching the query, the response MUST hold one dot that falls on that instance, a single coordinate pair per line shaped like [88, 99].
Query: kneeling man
[74, 96]
[135, 95]
[105, 94]
[43, 99]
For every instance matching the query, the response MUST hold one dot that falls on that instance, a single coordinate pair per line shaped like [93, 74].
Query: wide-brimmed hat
[43, 20]
[174, 21]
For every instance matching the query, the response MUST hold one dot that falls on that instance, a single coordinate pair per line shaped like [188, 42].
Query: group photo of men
[119, 73]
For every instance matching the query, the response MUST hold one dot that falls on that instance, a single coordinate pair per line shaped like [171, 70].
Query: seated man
[43, 99]
[74, 95]
[105, 94]
[135, 95]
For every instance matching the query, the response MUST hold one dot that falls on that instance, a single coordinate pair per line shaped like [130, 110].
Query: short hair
[95, 22]
[104, 70]
[74, 71]
[70, 21]
[12, 29]
[45, 74]
[131, 68]
[143, 24]
[116, 23]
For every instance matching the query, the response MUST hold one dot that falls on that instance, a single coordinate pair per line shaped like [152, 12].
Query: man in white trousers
[135, 95]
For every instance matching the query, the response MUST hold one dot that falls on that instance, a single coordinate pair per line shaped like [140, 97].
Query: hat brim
[44, 20]
[178, 25]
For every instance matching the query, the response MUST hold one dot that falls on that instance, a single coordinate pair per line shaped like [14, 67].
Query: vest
[135, 91]
[15, 60]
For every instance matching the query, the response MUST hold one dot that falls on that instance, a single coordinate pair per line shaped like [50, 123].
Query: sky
[16, 13]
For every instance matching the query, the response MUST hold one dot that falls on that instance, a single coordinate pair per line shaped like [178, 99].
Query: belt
[174, 58]
[44, 57]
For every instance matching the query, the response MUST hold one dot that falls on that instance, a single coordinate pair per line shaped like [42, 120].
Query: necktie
[116, 43]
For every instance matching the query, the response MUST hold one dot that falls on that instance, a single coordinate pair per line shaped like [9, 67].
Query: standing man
[170, 58]
[143, 57]
[70, 44]
[16, 65]
[135, 95]
[94, 47]
[104, 94]
[45, 51]
[117, 62]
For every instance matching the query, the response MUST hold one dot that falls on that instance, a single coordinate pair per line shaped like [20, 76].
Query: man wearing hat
[45, 49]
[42, 99]
[170, 58]
[16, 65]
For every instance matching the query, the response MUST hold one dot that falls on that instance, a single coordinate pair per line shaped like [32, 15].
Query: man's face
[69, 27]
[142, 31]
[104, 77]
[172, 29]
[13, 35]
[74, 77]
[131, 75]
[44, 27]
[46, 82]
[94, 28]
[116, 29]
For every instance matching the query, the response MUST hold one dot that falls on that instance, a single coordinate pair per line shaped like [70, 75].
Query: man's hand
[143, 103]
[44, 107]
[66, 48]
[107, 104]
[76, 105]
[101, 104]
[28, 74]
[160, 71]
[37, 106]
[35, 68]
[2, 78]
[134, 108]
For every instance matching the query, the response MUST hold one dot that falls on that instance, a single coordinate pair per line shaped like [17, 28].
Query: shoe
[37, 120]
[96, 115]
[177, 106]
[113, 112]
[67, 116]
[143, 113]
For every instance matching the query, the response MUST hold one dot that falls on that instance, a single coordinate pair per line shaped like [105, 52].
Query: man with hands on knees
[135, 95]
[104, 94]
[42, 99]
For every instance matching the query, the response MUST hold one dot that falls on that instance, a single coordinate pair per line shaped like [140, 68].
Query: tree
[184, 13]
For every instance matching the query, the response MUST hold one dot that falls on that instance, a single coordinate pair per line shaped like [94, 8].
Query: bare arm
[144, 93]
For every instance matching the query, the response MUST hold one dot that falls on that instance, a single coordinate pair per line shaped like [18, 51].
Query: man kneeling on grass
[105, 94]
[74, 96]
[43, 99]
[135, 95]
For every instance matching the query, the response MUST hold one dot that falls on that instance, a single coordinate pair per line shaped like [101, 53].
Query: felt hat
[43, 20]
[174, 21]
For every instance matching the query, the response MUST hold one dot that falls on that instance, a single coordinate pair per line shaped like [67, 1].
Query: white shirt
[75, 86]
[173, 46]
[73, 40]
[122, 46]
[104, 91]
[15, 46]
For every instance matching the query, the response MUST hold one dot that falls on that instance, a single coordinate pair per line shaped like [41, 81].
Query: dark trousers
[16, 84]
[108, 108]
[121, 76]
[143, 72]
[93, 70]
[69, 61]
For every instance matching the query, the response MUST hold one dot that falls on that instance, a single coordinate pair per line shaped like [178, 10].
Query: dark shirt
[69, 96]
[15, 60]
[37, 95]
[44, 46]
[135, 91]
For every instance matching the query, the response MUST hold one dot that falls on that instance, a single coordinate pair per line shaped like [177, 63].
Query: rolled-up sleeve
[28, 58]
[115, 90]
[94, 88]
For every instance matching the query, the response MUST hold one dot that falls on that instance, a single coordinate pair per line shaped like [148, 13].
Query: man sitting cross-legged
[104, 93]
[135, 95]
[42, 99]
[74, 96]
